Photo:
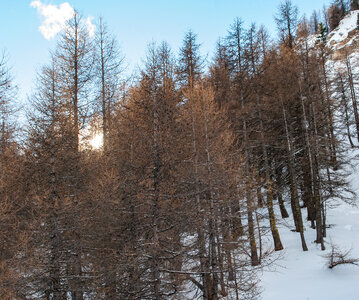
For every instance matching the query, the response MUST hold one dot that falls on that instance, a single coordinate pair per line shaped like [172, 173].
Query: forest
[198, 160]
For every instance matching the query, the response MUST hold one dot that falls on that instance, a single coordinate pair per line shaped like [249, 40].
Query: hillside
[305, 275]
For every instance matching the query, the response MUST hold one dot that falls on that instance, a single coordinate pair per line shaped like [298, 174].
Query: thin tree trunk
[78, 294]
[297, 213]
[203, 260]
[259, 239]
[55, 289]
[308, 176]
[249, 200]
[103, 90]
[316, 183]
[236, 217]
[352, 93]
[155, 204]
[269, 187]
[330, 113]
[214, 256]
[259, 191]
[278, 178]
[345, 105]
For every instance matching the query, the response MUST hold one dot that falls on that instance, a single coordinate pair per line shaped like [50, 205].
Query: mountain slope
[305, 275]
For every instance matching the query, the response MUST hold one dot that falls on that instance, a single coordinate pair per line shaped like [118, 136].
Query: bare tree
[74, 55]
[109, 68]
[287, 21]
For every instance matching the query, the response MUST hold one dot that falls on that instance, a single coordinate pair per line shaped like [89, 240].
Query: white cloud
[54, 16]
[90, 26]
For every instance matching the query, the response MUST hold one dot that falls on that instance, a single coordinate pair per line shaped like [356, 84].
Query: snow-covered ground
[342, 33]
[302, 275]
[343, 41]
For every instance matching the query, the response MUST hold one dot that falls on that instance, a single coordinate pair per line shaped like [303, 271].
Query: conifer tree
[190, 64]
[47, 135]
[152, 107]
[239, 68]
[287, 21]
[314, 22]
[74, 55]
[109, 66]
[334, 15]
[323, 32]
[13, 204]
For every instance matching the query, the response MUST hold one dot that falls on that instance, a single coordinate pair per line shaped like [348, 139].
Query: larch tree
[46, 161]
[287, 21]
[13, 203]
[341, 89]
[334, 16]
[109, 67]
[151, 114]
[239, 68]
[314, 22]
[287, 92]
[189, 72]
[74, 55]
[190, 65]
[75, 61]
[254, 56]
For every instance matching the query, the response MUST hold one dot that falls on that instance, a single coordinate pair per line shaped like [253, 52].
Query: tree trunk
[278, 178]
[352, 93]
[330, 113]
[307, 165]
[316, 184]
[249, 200]
[155, 204]
[345, 106]
[294, 191]
[269, 188]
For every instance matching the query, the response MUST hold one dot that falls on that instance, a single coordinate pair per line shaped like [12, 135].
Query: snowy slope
[344, 35]
[343, 41]
[304, 275]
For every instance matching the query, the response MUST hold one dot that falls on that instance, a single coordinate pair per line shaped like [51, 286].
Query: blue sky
[135, 23]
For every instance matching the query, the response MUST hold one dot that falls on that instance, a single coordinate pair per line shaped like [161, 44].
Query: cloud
[90, 26]
[55, 17]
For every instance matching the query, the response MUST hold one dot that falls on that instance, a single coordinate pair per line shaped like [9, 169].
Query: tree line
[200, 162]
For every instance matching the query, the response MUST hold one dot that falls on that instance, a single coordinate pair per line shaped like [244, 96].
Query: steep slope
[345, 35]
[344, 42]
[305, 275]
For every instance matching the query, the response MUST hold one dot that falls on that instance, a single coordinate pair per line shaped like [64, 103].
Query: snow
[347, 25]
[302, 275]
[305, 275]
[298, 275]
